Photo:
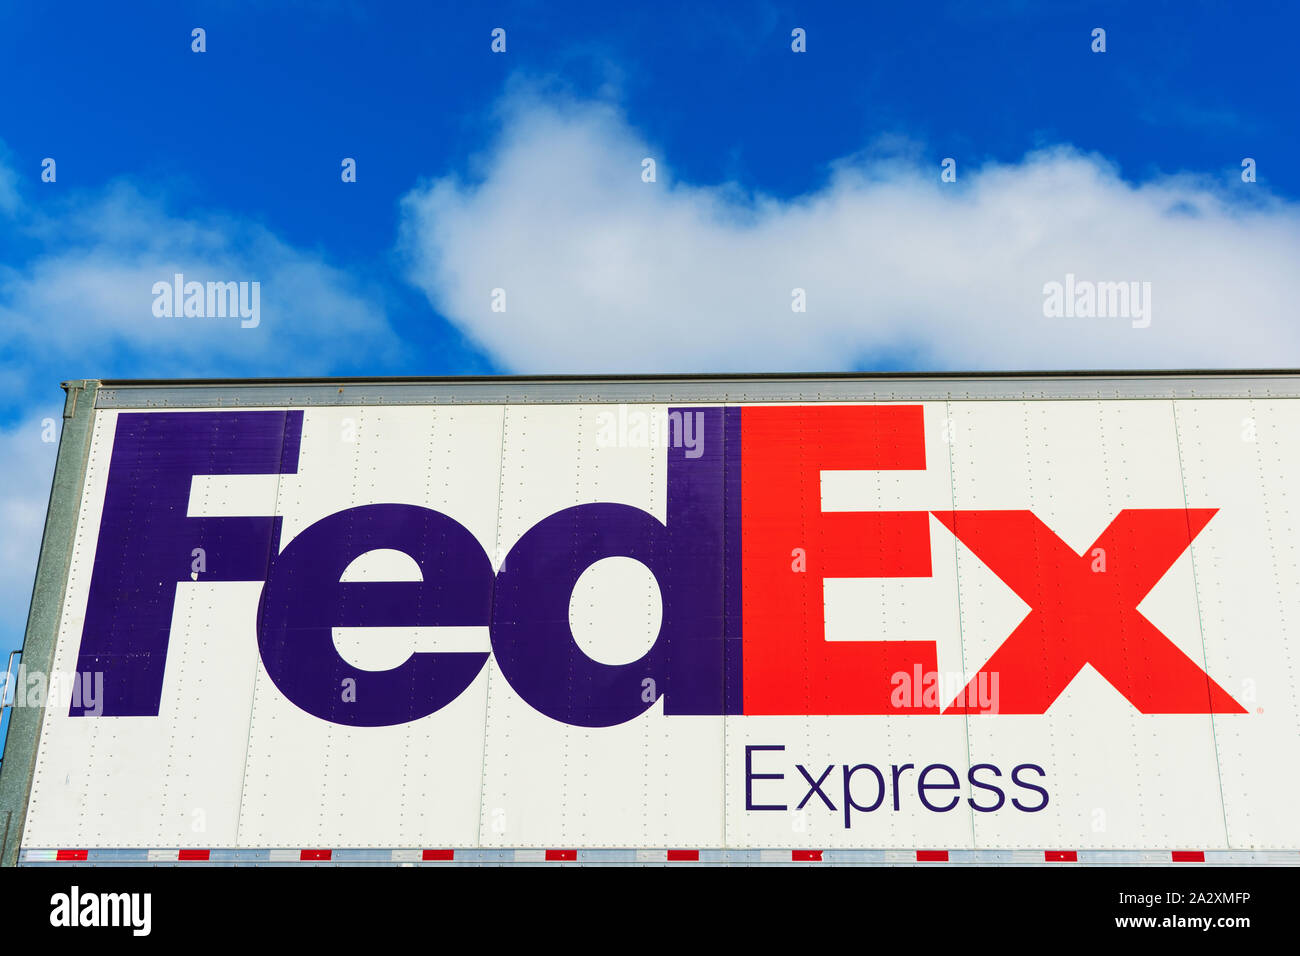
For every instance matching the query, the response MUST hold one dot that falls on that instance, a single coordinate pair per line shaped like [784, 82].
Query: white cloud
[85, 306]
[604, 272]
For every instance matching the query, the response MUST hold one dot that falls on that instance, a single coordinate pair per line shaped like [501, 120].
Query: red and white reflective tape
[180, 856]
[627, 855]
[302, 856]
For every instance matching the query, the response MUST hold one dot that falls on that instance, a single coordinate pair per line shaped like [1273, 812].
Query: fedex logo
[742, 632]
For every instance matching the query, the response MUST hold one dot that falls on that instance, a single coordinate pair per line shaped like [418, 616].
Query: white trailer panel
[677, 604]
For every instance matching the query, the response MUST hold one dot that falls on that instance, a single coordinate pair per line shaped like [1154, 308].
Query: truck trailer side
[1018, 618]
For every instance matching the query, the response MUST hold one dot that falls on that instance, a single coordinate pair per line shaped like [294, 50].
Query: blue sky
[522, 170]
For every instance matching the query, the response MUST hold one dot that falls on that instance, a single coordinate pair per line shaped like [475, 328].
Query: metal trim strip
[46, 610]
[625, 856]
[868, 387]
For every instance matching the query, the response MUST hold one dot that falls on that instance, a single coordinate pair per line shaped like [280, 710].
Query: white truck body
[878, 618]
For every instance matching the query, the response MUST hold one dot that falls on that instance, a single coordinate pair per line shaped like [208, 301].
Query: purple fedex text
[146, 539]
